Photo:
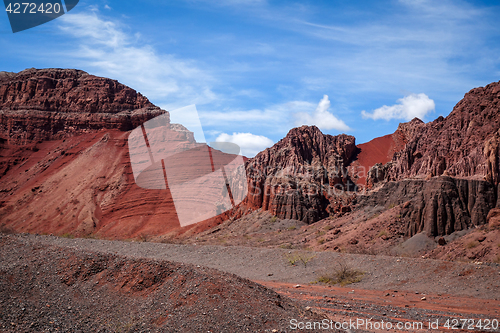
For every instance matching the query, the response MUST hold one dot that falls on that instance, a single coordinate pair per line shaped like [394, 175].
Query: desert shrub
[382, 233]
[6, 230]
[67, 235]
[292, 227]
[471, 245]
[328, 227]
[342, 274]
[296, 257]
[273, 219]
[321, 241]
[144, 237]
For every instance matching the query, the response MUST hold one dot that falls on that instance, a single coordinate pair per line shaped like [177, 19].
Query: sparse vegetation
[167, 240]
[6, 230]
[273, 219]
[320, 233]
[67, 235]
[299, 257]
[90, 236]
[343, 274]
[321, 241]
[471, 244]
[126, 327]
[144, 237]
[392, 205]
[382, 233]
[328, 227]
[292, 227]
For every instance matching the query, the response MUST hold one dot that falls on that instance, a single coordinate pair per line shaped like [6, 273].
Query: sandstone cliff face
[51, 104]
[464, 144]
[445, 173]
[302, 177]
[66, 90]
[438, 206]
[294, 178]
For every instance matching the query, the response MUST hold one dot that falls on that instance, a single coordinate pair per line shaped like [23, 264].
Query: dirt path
[344, 303]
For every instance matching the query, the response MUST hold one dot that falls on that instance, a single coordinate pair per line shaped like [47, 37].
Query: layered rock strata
[303, 176]
[48, 104]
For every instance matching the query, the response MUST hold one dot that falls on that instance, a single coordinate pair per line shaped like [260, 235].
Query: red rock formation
[81, 181]
[299, 176]
[51, 104]
[64, 163]
[66, 90]
[438, 206]
[376, 152]
[464, 144]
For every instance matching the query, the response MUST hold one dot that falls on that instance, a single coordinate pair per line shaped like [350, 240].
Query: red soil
[342, 304]
[83, 185]
[378, 150]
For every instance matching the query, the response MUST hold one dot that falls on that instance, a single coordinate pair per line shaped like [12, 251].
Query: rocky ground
[114, 286]
[371, 230]
[416, 211]
[48, 288]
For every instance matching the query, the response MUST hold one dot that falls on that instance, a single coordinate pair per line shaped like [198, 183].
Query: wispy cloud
[321, 117]
[274, 115]
[108, 49]
[408, 107]
[431, 46]
[249, 143]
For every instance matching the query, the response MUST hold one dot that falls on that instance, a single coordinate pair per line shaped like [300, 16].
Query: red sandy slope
[378, 150]
[84, 186]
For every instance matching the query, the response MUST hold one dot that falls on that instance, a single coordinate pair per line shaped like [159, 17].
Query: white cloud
[408, 107]
[107, 49]
[321, 117]
[249, 143]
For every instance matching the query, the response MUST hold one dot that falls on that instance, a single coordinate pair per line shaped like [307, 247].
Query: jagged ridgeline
[446, 172]
[65, 166]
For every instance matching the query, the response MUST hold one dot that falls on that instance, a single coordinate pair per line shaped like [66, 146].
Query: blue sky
[256, 68]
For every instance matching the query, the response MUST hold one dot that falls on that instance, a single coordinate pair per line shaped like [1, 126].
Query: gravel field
[51, 284]
[381, 272]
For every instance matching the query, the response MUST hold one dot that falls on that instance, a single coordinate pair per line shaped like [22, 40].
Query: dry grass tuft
[299, 257]
[343, 274]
